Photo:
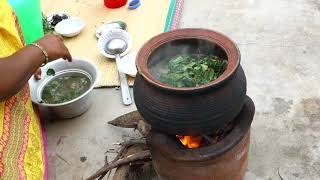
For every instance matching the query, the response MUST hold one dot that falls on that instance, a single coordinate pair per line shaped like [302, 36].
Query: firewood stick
[132, 120]
[144, 128]
[104, 174]
[141, 156]
[129, 120]
[210, 140]
[131, 142]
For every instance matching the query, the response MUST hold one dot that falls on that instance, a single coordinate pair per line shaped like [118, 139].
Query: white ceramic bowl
[71, 108]
[114, 34]
[70, 27]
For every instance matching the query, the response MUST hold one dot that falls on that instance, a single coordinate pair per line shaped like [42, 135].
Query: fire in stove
[190, 141]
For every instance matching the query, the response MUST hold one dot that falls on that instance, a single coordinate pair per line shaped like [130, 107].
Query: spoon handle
[125, 91]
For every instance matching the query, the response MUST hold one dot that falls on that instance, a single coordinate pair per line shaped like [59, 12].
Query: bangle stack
[44, 52]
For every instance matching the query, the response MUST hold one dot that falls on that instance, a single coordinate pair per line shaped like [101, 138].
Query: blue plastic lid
[134, 4]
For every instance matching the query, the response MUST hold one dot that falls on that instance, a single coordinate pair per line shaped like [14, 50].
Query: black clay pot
[189, 110]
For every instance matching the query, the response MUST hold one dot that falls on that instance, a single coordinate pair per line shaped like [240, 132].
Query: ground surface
[279, 42]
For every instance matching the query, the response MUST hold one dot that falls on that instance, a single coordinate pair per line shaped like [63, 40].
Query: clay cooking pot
[189, 110]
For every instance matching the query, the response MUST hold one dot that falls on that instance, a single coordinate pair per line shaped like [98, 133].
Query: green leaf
[51, 72]
[204, 67]
[197, 68]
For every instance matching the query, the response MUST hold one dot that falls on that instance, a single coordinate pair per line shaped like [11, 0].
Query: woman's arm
[16, 70]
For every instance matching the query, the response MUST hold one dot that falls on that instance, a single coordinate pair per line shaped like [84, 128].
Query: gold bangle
[44, 52]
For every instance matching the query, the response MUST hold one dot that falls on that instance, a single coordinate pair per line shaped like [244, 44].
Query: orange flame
[190, 141]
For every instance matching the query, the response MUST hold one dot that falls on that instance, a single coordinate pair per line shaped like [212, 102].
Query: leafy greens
[192, 70]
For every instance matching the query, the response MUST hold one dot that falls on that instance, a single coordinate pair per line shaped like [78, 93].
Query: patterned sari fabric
[22, 149]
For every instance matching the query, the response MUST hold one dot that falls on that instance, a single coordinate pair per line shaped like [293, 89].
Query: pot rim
[229, 46]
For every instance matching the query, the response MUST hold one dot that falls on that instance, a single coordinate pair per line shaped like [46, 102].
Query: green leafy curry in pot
[65, 88]
[192, 70]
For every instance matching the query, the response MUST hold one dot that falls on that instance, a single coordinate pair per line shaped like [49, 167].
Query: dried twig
[106, 164]
[141, 156]
[64, 160]
[280, 174]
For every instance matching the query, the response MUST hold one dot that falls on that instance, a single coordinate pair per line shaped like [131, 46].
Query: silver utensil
[116, 47]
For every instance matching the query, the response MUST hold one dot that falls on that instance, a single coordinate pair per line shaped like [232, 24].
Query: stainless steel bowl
[71, 108]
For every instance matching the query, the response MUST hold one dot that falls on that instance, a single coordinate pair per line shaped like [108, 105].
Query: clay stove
[225, 160]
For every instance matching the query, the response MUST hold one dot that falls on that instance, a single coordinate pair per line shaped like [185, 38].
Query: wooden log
[132, 120]
[129, 120]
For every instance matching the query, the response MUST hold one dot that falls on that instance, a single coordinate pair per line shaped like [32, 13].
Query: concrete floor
[279, 42]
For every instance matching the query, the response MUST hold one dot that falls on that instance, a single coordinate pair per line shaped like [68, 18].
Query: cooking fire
[190, 141]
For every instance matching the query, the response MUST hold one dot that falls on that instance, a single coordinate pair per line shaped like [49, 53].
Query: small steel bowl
[71, 108]
[110, 25]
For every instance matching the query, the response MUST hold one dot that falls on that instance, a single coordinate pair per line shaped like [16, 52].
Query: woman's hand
[54, 46]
